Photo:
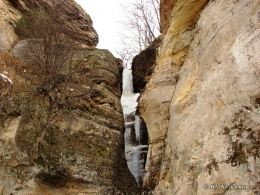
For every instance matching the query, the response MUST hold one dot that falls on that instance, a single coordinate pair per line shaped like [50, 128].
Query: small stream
[135, 151]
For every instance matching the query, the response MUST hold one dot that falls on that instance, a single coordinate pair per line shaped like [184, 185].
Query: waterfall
[135, 152]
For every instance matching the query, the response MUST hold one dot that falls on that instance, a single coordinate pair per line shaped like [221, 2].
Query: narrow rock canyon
[196, 89]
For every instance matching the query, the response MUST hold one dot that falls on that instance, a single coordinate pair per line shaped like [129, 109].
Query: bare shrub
[45, 45]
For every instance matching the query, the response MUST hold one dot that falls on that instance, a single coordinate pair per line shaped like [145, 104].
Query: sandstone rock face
[201, 105]
[77, 23]
[68, 140]
[9, 16]
[166, 7]
[155, 100]
[63, 136]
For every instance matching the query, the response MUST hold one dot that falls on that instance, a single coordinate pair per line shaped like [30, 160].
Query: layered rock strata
[68, 140]
[63, 136]
[76, 22]
[201, 104]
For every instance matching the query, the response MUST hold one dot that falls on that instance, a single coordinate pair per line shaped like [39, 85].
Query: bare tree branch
[49, 49]
[140, 28]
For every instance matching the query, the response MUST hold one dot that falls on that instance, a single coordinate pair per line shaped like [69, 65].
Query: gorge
[198, 93]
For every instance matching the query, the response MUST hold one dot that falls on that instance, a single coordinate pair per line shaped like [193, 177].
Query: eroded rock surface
[60, 133]
[9, 15]
[77, 23]
[67, 140]
[155, 100]
[201, 105]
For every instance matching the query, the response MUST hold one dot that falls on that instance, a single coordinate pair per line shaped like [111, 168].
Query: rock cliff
[69, 139]
[201, 103]
[64, 136]
[77, 23]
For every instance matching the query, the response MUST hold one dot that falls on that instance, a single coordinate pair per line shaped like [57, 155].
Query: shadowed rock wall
[143, 65]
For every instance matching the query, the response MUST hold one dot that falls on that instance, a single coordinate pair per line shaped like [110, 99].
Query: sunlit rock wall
[201, 105]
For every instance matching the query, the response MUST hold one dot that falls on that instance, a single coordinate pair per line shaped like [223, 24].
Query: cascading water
[135, 152]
